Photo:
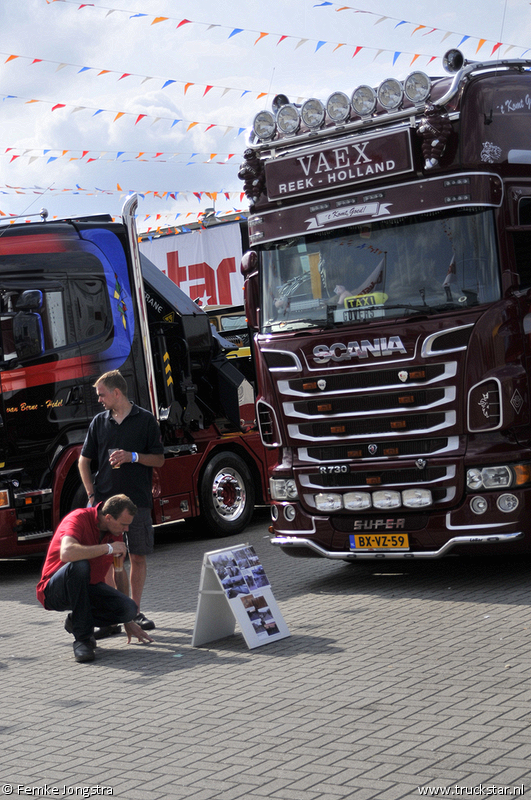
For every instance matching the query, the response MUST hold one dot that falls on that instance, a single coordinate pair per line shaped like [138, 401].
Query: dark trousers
[95, 604]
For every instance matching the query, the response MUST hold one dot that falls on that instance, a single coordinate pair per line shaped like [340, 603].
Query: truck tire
[226, 494]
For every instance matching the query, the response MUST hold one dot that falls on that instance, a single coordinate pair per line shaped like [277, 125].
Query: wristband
[109, 547]
[90, 495]
[134, 457]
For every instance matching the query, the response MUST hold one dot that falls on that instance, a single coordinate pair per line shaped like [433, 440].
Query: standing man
[125, 441]
[73, 576]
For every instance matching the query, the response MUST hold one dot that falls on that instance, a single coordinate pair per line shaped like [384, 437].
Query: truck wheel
[226, 495]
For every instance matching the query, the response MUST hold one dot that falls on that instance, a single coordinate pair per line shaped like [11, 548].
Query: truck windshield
[415, 265]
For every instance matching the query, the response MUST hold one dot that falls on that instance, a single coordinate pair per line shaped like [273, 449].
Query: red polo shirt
[82, 525]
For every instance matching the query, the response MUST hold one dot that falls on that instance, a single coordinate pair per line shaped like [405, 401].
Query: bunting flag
[261, 35]
[119, 114]
[425, 29]
[205, 88]
[33, 154]
[173, 194]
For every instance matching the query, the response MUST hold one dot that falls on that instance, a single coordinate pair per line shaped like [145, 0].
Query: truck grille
[376, 379]
[370, 427]
[379, 478]
[352, 428]
[387, 448]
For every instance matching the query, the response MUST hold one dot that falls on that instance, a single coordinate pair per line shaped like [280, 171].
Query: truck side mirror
[30, 300]
[28, 334]
[251, 288]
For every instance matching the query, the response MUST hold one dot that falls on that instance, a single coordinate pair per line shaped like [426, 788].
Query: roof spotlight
[313, 113]
[288, 119]
[338, 107]
[278, 101]
[453, 60]
[417, 87]
[264, 125]
[364, 100]
[390, 94]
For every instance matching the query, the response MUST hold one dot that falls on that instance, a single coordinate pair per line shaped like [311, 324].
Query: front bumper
[299, 543]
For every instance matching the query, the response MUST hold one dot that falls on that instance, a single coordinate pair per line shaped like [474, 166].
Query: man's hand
[132, 629]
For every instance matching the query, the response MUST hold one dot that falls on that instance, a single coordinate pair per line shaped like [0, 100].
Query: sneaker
[108, 630]
[83, 650]
[145, 623]
[69, 628]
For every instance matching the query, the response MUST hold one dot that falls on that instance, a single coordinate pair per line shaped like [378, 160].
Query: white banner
[205, 263]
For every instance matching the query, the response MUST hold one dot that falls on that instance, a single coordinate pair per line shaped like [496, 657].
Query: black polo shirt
[139, 432]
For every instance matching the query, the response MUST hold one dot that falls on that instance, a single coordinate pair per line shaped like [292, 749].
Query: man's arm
[125, 457]
[86, 476]
[71, 550]
[121, 581]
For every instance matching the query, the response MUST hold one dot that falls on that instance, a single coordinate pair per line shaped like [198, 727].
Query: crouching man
[73, 576]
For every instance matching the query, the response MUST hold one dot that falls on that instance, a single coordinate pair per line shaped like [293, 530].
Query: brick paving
[396, 676]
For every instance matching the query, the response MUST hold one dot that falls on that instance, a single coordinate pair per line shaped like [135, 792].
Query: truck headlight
[283, 489]
[489, 478]
[356, 501]
[328, 502]
[416, 498]
[386, 499]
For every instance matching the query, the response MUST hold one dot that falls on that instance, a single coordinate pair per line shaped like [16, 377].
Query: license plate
[379, 541]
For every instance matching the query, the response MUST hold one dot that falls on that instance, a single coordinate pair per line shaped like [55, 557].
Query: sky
[98, 100]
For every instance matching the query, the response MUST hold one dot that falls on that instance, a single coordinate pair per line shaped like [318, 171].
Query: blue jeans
[91, 604]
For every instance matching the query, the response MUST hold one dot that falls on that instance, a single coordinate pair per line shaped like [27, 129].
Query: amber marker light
[522, 474]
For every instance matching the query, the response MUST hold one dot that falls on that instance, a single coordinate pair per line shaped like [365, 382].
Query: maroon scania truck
[388, 288]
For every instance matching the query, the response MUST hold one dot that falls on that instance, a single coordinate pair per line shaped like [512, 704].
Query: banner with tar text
[205, 263]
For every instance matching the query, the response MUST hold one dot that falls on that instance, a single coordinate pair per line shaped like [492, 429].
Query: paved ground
[395, 676]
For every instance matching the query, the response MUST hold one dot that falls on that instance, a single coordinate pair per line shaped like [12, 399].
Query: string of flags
[185, 195]
[299, 41]
[100, 71]
[120, 156]
[119, 114]
[424, 30]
